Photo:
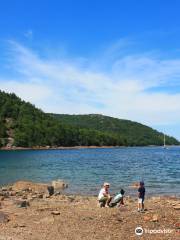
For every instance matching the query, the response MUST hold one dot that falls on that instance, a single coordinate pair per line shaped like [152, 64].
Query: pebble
[155, 218]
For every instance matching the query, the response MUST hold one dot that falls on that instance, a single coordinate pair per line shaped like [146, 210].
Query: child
[141, 195]
[118, 198]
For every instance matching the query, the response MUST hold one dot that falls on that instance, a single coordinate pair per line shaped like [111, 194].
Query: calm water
[86, 169]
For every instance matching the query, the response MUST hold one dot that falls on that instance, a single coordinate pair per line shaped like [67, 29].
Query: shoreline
[76, 147]
[58, 148]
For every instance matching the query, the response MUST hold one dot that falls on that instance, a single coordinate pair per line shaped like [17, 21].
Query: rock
[4, 194]
[19, 225]
[4, 218]
[147, 218]
[24, 197]
[50, 190]
[19, 194]
[34, 196]
[155, 218]
[71, 199]
[177, 207]
[40, 196]
[30, 186]
[1, 198]
[12, 193]
[55, 213]
[59, 184]
[22, 203]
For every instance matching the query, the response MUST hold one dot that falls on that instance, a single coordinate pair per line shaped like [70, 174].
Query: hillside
[23, 125]
[131, 133]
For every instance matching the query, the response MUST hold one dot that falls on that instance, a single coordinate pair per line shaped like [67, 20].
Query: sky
[119, 58]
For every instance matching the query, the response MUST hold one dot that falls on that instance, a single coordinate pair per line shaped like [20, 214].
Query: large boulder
[59, 185]
[30, 186]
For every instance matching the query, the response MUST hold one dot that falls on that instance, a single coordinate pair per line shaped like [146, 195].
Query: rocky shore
[9, 148]
[28, 212]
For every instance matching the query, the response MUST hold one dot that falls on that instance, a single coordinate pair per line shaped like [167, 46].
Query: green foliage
[29, 127]
[123, 132]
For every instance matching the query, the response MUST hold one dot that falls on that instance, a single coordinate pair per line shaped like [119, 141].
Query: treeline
[128, 132]
[23, 125]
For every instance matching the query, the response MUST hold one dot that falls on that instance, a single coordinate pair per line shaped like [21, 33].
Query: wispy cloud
[125, 90]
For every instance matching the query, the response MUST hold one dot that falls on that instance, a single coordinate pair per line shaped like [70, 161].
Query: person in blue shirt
[141, 196]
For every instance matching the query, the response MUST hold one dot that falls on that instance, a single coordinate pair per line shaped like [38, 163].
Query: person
[118, 199]
[104, 197]
[141, 195]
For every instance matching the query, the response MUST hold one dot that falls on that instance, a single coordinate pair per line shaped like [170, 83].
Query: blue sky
[118, 58]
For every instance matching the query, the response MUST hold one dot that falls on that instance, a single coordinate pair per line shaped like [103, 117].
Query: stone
[1, 198]
[24, 197]
[71, 199]
[59, 184]
[22, 203]
[30, 186]
[147, 218]
[12, 193]
[4, 218]
[177, 207]
[40, 196]
[155, 218]
[55, 213]
[21, 225]
[50, 190]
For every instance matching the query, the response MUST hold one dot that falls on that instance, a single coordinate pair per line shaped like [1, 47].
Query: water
[86, 169]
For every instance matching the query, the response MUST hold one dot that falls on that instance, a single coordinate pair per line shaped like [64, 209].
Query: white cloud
[65, 86]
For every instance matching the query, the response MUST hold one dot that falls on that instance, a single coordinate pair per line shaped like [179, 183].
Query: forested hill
[23, 125]
[131, 133]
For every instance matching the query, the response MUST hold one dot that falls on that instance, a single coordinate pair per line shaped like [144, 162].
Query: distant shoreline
[74, 147]
[57, 148]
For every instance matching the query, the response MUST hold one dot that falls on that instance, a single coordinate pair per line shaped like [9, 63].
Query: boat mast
[164, 141]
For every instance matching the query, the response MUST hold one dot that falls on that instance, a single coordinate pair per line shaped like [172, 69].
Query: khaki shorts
[103, 199]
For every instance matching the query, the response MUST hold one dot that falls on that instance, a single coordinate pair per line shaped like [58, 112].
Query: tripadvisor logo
[139, 231]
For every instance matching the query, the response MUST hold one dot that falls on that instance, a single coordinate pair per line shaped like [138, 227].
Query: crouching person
[118, 199]
[104, 197]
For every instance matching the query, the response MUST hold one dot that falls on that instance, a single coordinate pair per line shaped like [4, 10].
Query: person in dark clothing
[141, 195]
